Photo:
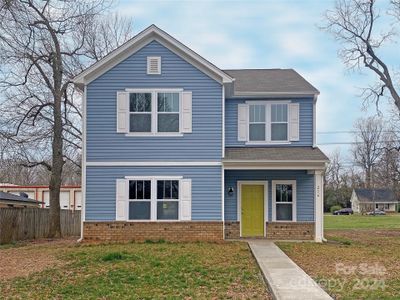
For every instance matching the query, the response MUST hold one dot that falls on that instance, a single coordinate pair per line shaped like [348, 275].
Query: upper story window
[168, 112]
[140, 112]
[279, 122]
[154, 112]
[268, 122]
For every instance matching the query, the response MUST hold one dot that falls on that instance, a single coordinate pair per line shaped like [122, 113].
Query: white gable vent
[153, 65]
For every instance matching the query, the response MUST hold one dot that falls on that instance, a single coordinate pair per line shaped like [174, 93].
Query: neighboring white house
[365, 200]
[70, 195]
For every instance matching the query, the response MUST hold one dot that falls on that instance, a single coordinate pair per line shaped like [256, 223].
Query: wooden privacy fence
[31, 223]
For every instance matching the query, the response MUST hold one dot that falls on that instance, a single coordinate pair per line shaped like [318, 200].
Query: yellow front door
[252, 203]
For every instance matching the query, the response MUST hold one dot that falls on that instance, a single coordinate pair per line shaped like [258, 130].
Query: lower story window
[139, 200]
[167, 199]
[284, 200]
[153, 199]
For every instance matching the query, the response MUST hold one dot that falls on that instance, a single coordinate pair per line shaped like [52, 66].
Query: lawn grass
[144, 271]
[358, 221]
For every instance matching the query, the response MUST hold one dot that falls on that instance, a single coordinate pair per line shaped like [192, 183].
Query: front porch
[278, 200]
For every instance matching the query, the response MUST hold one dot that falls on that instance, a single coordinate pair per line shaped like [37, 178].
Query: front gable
[149, 35]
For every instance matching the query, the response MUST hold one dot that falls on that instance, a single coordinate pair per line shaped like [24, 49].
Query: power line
[353, 131]
[354, 143]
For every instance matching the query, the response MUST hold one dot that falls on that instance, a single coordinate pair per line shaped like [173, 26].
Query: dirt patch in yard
[24, 258]
[354, 264]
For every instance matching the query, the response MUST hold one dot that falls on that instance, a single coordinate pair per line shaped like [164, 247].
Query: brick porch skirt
[277, 230]
[187, 231]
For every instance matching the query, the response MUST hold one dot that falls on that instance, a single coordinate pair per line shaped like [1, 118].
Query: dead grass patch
[358, 251]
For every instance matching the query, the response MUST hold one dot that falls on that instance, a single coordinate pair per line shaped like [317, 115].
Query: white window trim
[294, 199]
[154, 113]
[268, 123]
[153, 200]
[239, 201]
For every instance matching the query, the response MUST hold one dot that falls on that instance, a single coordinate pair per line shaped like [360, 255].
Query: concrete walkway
[285, 279]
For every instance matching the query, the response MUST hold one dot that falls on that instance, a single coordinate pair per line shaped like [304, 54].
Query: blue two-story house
[177, 149]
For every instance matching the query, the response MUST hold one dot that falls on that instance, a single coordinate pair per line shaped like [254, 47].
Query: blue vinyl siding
[304, 185]
[306, 122]
[101, 181]
[105, 144]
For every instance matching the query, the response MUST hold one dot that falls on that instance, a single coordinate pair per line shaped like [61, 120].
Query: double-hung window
[257, 123]
[279, 122]
[139, 200]
[284, 200]
[152, 112]
[167, 199]
[168, 112]
[140, 112]
[268, 122]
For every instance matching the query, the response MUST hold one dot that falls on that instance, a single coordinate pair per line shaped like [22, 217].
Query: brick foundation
[277, 230]
[232, 230]
[141, 231]
[290, 231]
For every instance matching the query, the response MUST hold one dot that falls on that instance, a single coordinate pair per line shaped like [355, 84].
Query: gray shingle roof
[275, 153]
[16, 198]
[278, 81]
[381, 195]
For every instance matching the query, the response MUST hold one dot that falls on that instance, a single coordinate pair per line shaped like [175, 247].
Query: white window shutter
[186, 199]
[187, 112]
[243, 121]
[121, 199]
[294, 119]
[122, 112]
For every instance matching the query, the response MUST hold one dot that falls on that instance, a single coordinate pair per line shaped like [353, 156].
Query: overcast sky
[269, 34]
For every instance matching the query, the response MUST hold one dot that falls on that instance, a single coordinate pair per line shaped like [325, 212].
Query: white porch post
[319, 206]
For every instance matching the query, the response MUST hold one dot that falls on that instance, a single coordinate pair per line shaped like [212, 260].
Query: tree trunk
[368, 177]
[56, 173]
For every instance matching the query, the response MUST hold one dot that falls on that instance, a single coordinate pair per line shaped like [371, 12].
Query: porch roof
[276, 157]
[276, 153]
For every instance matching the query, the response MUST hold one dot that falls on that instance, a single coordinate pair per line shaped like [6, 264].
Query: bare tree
[43, 45]
[388, 169]
[367, 149]
[354, 23]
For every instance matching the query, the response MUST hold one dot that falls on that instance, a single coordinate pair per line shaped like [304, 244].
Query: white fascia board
[139, 41]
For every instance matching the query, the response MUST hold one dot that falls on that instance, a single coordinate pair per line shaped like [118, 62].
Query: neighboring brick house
[176, 148]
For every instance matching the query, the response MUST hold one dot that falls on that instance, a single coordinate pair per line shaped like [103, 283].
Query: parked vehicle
[343, 211]
[376, 212]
